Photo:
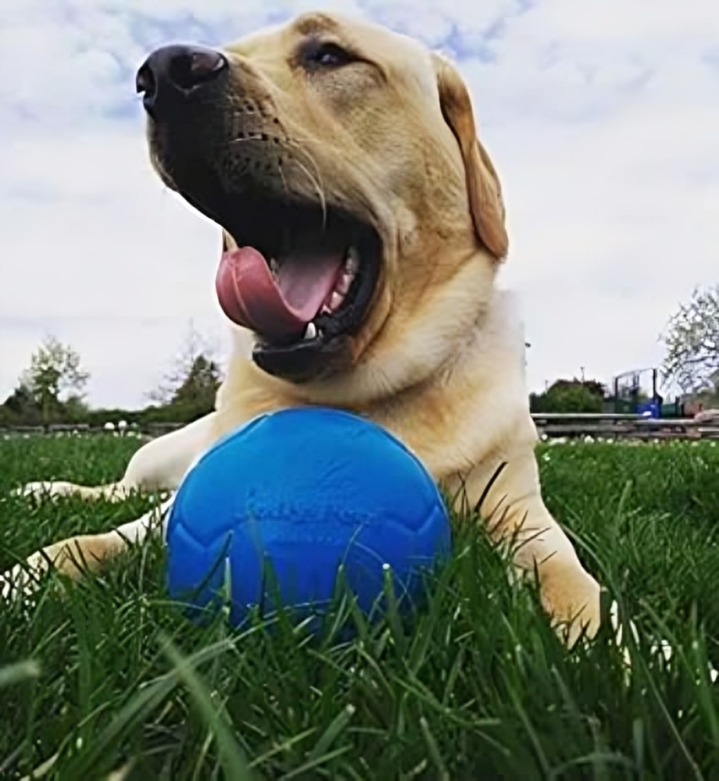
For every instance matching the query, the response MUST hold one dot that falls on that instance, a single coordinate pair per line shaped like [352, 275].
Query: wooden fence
[551, 425]
[623, 426]
[146, 429]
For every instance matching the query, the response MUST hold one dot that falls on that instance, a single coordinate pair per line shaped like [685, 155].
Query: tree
[75, 409]
[692, 342]
[570, 396]
[20, 407]
[188, 390]
[54, 370]
[201, 383]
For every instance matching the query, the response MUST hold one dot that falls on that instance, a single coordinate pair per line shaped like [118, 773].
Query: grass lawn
[108, 675]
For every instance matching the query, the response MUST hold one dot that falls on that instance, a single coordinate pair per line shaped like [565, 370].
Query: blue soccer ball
[283, 501]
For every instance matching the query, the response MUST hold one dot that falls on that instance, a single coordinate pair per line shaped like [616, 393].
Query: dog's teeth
[352, 261]
[344, 283]
[325, 310]
[311, 331]
[274, 266]
[336, 300]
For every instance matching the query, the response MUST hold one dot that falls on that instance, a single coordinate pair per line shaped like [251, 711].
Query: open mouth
[302, 278]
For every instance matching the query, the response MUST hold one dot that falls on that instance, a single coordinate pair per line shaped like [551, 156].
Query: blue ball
[304, 490]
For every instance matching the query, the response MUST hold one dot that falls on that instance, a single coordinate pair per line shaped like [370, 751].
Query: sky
[602, 117]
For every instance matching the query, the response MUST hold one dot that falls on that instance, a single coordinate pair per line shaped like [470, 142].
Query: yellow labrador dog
[363, 228]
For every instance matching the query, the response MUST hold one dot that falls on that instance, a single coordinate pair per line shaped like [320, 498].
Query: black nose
[171, 74]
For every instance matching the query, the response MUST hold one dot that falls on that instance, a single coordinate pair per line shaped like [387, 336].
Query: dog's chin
[278, 226]
[306, 360]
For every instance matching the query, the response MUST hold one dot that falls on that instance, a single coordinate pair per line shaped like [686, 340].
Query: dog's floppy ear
[483, 187]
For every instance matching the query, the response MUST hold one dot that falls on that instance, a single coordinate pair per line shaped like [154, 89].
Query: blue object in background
[304, 490]
[649, 409]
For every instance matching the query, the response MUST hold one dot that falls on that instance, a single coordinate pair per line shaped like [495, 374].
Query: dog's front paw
[45, 489]
[572, 597]
[23, 579]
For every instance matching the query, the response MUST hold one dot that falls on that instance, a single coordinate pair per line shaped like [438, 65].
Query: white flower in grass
[109, 426]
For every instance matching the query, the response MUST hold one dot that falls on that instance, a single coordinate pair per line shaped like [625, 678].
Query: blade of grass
[232, 757]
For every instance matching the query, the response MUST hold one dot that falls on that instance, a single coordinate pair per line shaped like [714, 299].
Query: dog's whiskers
[316, 178]
[311, 170]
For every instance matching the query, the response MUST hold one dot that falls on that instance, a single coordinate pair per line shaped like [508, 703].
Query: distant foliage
[570, 396]
[189, 389]
[692, 343]
[50, 389]
[20, 408]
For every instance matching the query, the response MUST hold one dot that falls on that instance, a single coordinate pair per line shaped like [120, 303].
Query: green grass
[108, 675]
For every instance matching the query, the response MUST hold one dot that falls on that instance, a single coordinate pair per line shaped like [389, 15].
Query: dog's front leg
[83, 553]
[507, 495]
[159, 465]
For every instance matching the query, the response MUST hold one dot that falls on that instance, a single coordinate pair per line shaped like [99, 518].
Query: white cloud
[602, 117]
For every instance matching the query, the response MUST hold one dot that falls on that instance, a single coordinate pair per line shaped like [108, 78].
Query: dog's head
[341, 161]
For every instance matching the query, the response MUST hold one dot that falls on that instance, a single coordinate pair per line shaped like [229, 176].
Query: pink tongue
[275, 308]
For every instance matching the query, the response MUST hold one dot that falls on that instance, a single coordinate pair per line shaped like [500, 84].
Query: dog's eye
[328, 55]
